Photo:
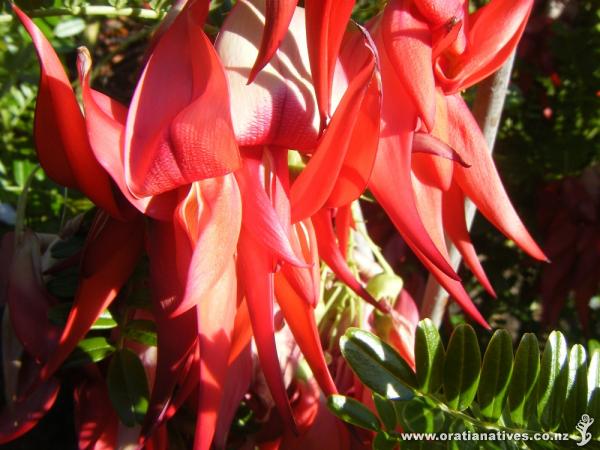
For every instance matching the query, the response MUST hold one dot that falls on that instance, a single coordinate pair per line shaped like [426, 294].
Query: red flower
[429, 50]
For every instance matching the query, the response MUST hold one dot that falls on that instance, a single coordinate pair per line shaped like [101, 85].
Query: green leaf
[59, 314]
[461, 368]
[128, 387]
[524, 378]
[576, 403]
[457, 427]
[353, 412]
[495, 375]
[419, 416]
[429, 357]
[386, 411]
[377, 364]
[593, 392]
[22, 168]
[142, 331]
[90, 350]
[384, 441]
[593, 346]
[106, 321]
[70, 27]
[552, 385]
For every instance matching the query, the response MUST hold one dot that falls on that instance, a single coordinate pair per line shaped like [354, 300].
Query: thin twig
[487, 110]
[90, 10]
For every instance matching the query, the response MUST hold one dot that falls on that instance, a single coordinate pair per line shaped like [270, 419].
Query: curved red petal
[255, 269]
[28, 301]
[481, 182]
[258, 215]
[96, 423]
[407, 43]
[358, 165]
[493, 34]
[24, 414]
[299, 316]
[278, 15]
[105, 122]
[216, 314]
[60, 133]
[391, 186]
[331, 254]
[326, 22]
[211, 216]
[390, 181]
[182, 134]
[429, 203]
[455, 225]
[112, 254]
[237, 382]
[306, 281]
[429, 144]
[177, 336]
[452, 286]
[315, 184]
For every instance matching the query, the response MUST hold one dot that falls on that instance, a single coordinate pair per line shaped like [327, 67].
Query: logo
[582, 426]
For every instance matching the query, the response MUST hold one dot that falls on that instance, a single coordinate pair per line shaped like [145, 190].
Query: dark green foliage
[128, 387]
[524, 395]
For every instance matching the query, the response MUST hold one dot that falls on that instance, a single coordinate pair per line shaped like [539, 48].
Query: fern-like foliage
[503, 401]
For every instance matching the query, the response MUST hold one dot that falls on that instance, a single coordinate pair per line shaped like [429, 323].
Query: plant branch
[487, 110]
[90, 10]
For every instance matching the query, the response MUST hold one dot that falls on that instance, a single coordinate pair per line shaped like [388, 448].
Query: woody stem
[487, 110]
[90, 10]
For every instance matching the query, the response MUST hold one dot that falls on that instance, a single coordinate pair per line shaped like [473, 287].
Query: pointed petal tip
[529, 246]
[253, 73]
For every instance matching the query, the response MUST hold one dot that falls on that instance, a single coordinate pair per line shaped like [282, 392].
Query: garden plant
[239, 224]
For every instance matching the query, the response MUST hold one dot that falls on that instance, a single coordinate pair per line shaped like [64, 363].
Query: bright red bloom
[60, 134]
[447, 50]
[191, 137]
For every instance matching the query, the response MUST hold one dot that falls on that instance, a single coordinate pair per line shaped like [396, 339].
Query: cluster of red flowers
[194, 172]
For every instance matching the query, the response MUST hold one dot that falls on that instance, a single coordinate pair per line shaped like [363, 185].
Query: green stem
[22, 205]
[90, 10]
[489, 426]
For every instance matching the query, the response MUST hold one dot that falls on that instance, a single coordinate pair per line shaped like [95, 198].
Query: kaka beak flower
[282, 98]
[191, 138]
[62, 145]
[447, 50]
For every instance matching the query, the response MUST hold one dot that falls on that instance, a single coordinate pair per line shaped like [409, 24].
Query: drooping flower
[60, 135]
[447, 50]
[275, 113]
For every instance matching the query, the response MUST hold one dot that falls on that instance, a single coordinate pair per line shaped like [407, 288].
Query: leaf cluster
[454, 389]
